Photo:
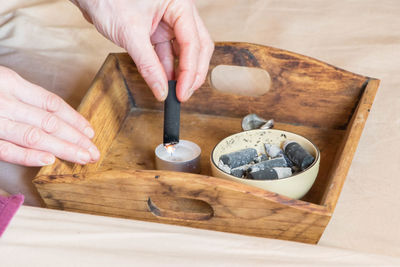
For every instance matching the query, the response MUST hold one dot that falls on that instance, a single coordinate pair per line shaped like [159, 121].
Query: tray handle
[189, 209]
[185, 199]
[273, 61]
[179, 196]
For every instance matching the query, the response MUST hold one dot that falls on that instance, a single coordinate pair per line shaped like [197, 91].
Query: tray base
[133, 147]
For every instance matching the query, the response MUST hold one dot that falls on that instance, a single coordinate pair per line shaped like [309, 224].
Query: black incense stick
[172, 110]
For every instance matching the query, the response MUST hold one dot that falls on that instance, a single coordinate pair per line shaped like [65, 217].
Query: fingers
[166, 56]
[52, 125]
[206, 51]
[31, 137]
[179, 15]
[142, 52]
[24, 156]
[37, 96]
[162, 33]
[36, 125]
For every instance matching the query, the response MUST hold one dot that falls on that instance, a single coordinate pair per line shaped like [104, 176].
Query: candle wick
[170, 149]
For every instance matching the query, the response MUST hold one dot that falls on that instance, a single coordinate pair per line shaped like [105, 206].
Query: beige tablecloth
[49, 43]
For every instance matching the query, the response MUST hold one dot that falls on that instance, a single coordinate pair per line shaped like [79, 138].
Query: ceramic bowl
[295, 186]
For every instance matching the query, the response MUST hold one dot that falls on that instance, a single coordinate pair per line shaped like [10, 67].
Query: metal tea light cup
[181, 157]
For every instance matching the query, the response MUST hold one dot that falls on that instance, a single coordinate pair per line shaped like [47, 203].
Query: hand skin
[36, 126]
[174, 27]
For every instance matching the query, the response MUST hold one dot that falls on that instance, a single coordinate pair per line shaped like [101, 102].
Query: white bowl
[295, 186]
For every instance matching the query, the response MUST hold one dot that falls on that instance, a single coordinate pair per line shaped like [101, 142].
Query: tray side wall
[105, 106]
[348, 147]
[235, 207]
[303, 90]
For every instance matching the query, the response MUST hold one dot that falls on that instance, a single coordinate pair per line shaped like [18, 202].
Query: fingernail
[47, 160]
[191, 90]
[89, 132]
[189, 94]
[83, 157]
[162, 92]
[94, 152]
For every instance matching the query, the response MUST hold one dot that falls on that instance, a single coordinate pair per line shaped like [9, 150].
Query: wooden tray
[327, 105]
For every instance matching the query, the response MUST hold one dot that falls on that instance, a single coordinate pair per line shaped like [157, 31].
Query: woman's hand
[174, 27]
[36, 125]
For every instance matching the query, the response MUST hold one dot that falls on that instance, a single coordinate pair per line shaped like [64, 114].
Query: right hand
[173, 27]
[36, 126]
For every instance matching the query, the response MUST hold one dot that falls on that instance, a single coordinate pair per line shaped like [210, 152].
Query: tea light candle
[182, 157]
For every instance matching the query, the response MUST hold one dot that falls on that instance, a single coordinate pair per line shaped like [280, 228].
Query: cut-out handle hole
[240, 80]
[180, 208]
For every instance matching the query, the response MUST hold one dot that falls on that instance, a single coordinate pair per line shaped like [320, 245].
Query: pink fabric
[8, 207]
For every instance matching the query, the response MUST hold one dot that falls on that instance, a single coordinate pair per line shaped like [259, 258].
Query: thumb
[148, 64]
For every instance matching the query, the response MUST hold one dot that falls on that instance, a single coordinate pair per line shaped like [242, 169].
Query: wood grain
[134, 144]
[105, 106]
[349, 145]
[236, 207]
[303, 90]
[325, 104]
